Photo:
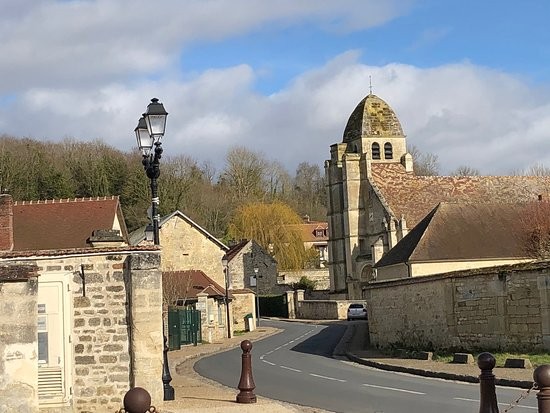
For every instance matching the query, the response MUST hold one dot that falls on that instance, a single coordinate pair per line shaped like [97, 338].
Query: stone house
[375, 198]
[80, 325]
[188, 246]
[315, 235]
[194, 289]
[457, 236]
[245, 283]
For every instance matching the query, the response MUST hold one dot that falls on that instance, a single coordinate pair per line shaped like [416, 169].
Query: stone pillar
[289, 296]
[18, 339]
[146, 341]
[202, 306]
[6, 222]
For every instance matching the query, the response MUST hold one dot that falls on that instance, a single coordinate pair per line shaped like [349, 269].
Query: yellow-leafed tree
[274, 226]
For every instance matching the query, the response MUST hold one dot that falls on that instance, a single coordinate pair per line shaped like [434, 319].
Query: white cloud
[86, 69]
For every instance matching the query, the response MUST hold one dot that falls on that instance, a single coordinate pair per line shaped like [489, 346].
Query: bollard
[137, 400]
[541, 376]
[246, 383]
[488, 398]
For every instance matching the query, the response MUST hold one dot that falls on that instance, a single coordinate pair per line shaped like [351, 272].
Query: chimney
[105, 238]
[6, 222]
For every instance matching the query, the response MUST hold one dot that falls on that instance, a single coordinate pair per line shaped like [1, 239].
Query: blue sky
[469, 80]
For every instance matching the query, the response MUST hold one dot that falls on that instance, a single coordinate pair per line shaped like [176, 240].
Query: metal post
[246, 383]
[488, 398]
[227, 301]
[257, 296]
[137, 400]
[151, 164]
[541, 376]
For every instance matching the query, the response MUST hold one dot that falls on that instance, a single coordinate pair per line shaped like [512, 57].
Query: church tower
[373, 134]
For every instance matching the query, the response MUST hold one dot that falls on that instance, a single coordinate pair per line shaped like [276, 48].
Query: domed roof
[372, 117]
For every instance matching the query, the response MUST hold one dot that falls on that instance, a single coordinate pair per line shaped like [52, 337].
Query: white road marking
[503, 404]
[290, 368]
[328, 378]
[393, 389]
[269, 362]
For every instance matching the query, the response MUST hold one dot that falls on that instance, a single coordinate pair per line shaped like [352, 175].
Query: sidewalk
[197, 394]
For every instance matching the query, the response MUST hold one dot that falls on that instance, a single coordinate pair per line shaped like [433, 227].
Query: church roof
[372, 117]
[461, 231]
[415, 196]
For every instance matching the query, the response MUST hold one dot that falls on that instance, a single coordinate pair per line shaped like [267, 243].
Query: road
[296, 366]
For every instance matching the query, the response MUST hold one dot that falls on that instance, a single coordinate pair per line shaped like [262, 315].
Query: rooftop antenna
[370, 84]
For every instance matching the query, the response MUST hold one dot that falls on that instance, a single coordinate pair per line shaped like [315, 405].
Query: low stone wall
[18, 339]
[320, 276]
[317, 309]
[499, 308]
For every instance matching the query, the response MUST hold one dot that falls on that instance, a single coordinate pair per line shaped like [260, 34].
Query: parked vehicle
[357, 312]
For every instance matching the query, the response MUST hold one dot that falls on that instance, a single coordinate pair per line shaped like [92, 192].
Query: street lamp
[225, 263]
[257, 297]
[149, 132]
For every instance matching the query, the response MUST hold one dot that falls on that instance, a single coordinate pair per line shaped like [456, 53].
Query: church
[385, 222]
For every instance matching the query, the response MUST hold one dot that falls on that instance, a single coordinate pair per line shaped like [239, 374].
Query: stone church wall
[499, 308]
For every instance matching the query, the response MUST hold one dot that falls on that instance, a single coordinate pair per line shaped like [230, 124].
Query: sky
[469, 79]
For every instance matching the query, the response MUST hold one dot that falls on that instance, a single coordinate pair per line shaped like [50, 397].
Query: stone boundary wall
[320, 276]
[504, 308]
[317, 309]
[18, 339]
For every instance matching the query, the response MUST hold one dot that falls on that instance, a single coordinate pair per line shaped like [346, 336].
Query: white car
[357, 312]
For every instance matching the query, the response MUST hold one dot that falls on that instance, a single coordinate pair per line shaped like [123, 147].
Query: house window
[388, 151]
[319, 232]
[375, 151]
[220, 313]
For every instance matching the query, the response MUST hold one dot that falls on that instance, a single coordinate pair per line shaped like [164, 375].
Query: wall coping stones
[17, 272]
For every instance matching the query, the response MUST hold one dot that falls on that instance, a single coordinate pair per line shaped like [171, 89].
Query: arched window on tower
[388, 151]
[375, 151]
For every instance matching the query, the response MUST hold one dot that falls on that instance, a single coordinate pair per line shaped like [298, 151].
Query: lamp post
[149, 132]
[257, 297]
[225, 263]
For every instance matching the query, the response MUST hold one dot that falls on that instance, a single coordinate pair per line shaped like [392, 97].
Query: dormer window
[375, 151]
[319, 233]
[388, 151]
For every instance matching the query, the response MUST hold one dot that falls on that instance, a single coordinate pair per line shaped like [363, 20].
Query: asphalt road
[296, 366]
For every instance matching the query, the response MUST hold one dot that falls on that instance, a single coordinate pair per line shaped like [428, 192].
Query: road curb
[436, 374]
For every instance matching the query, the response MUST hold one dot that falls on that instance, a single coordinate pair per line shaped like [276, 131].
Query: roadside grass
[536, 359]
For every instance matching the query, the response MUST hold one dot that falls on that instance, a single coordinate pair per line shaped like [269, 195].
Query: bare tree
[425, 164]
[464, 170]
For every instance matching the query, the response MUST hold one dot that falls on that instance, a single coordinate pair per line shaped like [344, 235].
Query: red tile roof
[415, 196]
[189, 283]
[309, 229]
[63, 223]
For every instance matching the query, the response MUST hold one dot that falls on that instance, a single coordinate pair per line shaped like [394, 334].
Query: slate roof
[415, 196]
[63, 223]
[461, 231]
[138, 235]
[193, 282]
